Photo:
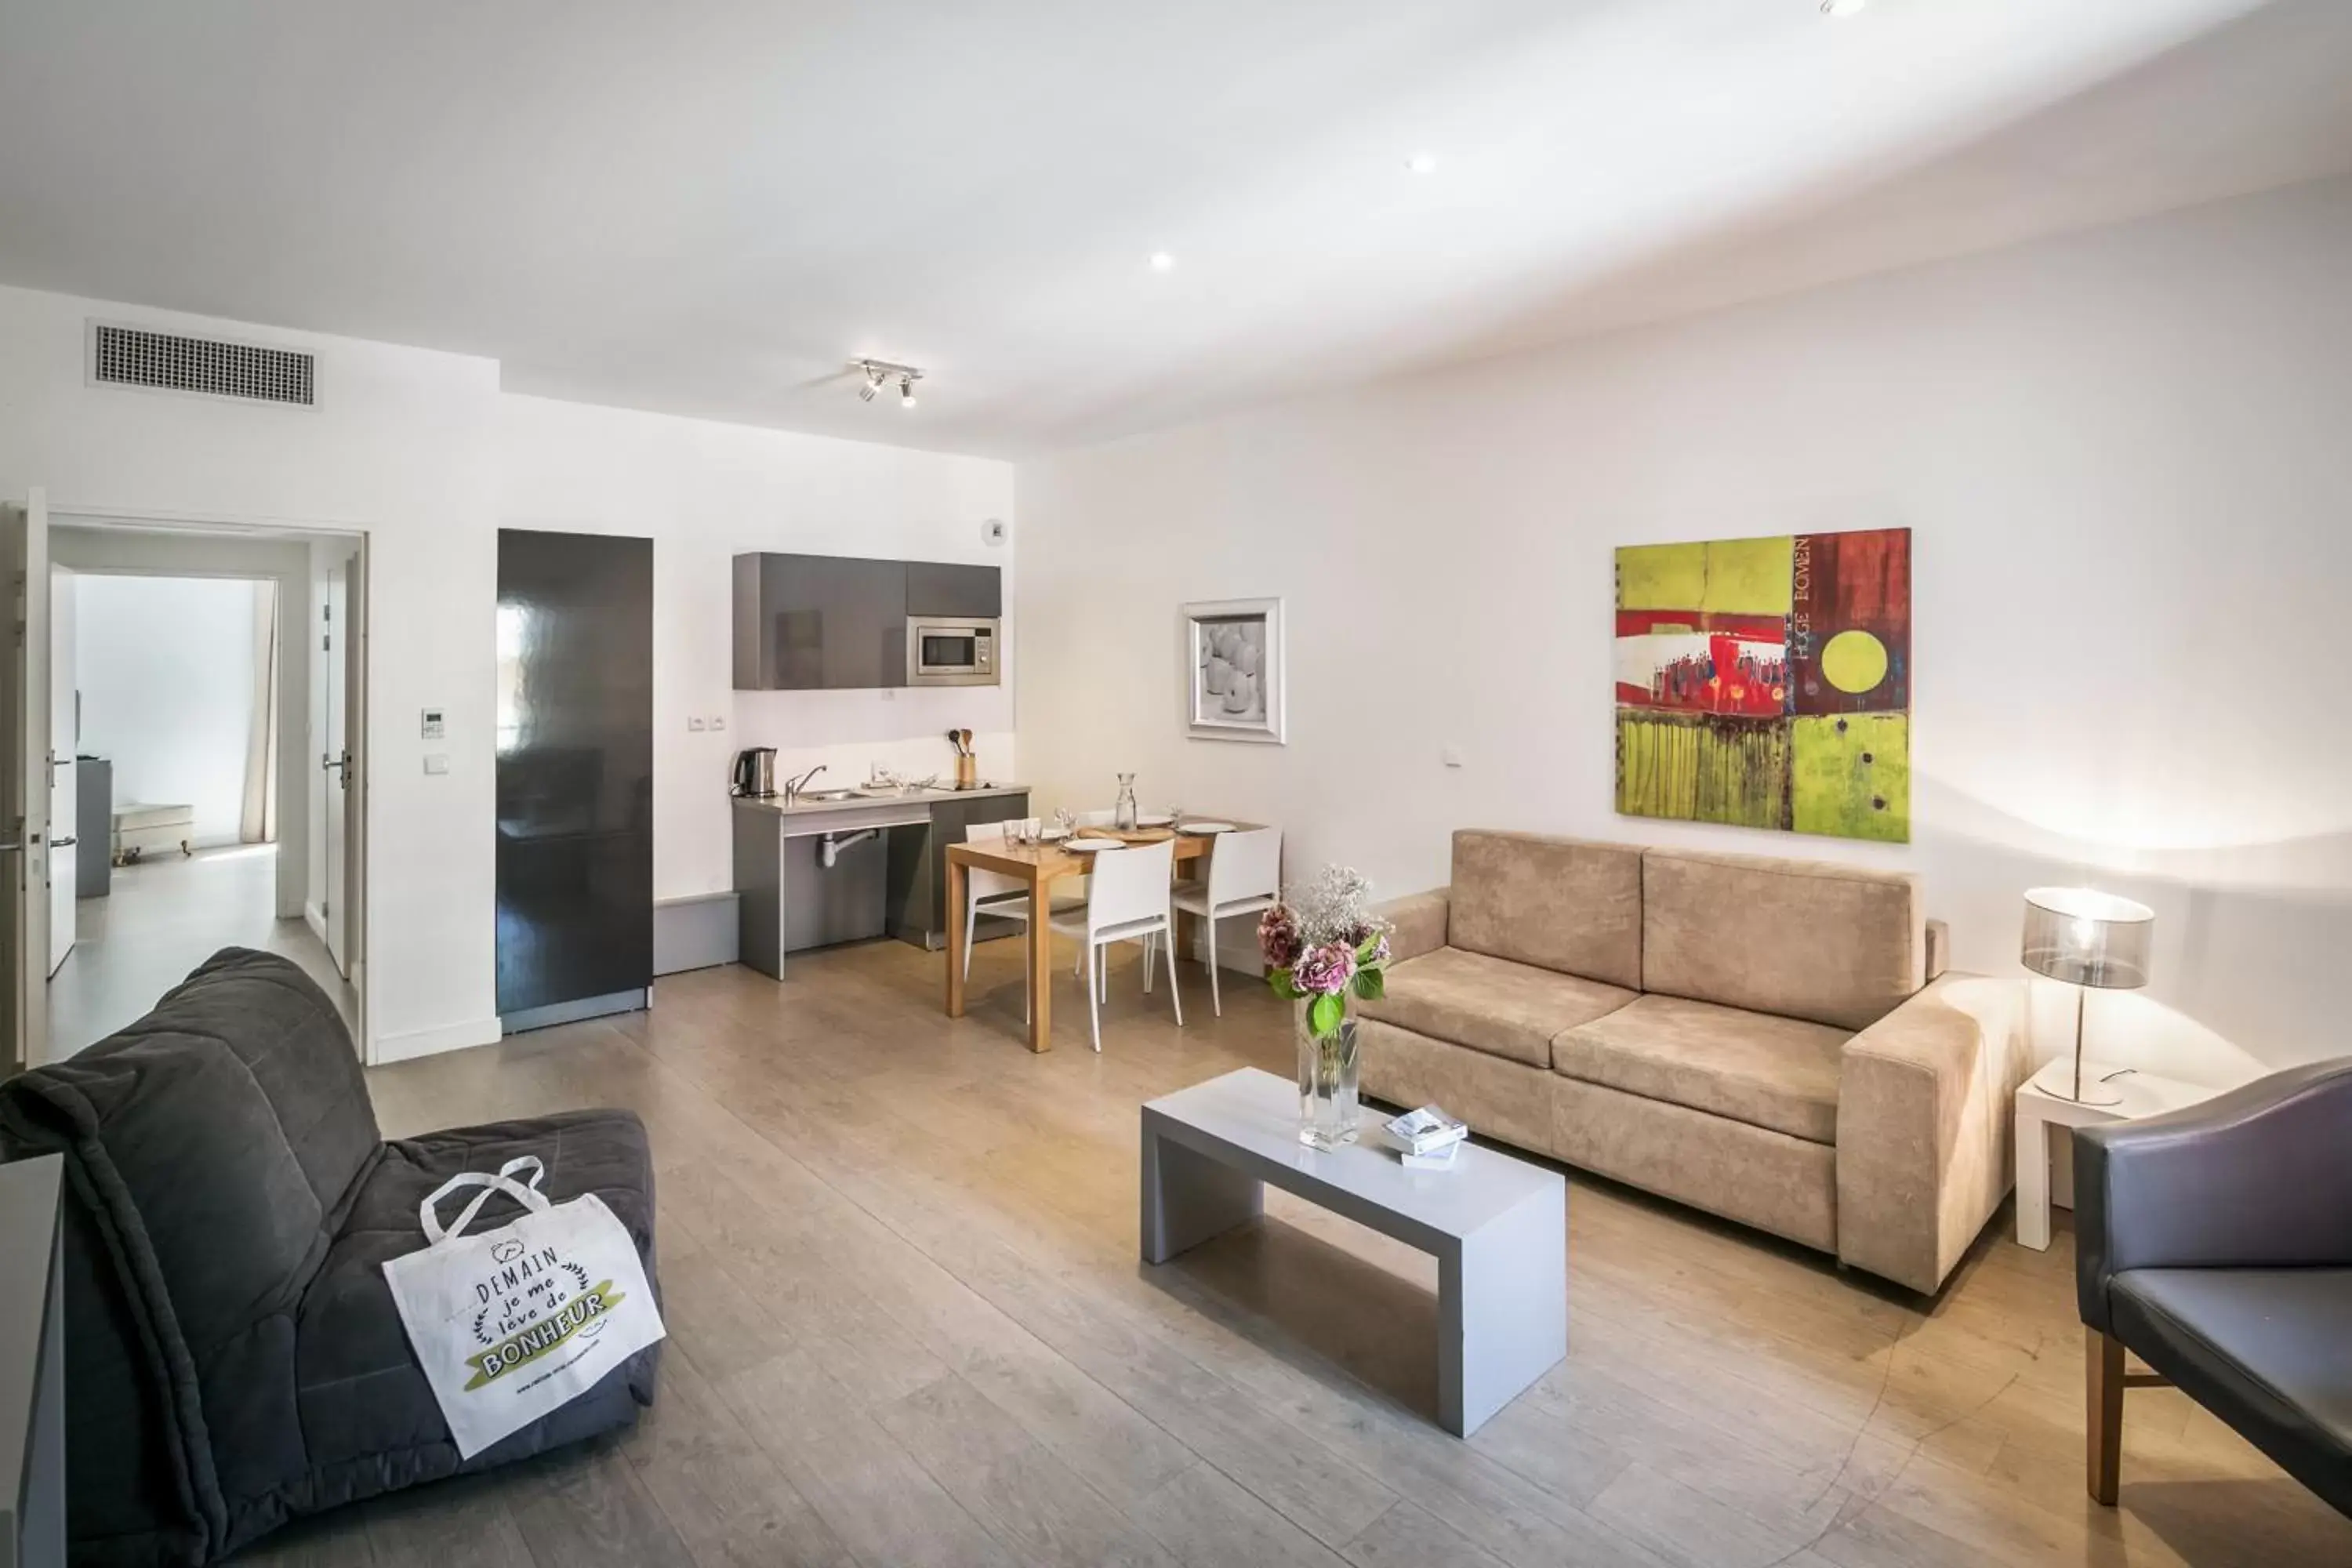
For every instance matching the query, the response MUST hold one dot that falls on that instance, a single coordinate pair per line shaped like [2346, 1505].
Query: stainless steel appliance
[755, 771]
[943, 652]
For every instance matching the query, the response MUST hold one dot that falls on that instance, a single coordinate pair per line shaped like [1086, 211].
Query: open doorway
[206, 686]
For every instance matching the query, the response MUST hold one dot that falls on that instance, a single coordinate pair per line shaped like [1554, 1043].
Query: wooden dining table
[1040, 865]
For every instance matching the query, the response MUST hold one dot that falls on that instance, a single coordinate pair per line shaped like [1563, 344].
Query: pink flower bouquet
[1322, 945]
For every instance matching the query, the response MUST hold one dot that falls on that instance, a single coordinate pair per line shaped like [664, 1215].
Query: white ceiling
[708, 207]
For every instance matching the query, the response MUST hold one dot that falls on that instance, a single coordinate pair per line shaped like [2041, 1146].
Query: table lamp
[2087, 939]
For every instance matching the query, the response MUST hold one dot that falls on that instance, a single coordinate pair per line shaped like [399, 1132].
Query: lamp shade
[2087, 938]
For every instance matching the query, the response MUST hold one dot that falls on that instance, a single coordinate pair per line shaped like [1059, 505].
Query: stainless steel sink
[833, 794]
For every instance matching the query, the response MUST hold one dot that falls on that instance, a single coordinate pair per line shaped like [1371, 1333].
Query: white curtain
[258, 824]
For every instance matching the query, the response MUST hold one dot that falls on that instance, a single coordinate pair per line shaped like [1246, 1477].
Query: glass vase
[1123, 813]
[1326, 1085]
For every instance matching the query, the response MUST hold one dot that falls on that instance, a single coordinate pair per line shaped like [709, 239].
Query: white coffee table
[1497, 1226]
[2038, 1109]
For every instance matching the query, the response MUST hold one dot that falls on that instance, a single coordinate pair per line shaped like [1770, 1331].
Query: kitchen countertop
[775, 802]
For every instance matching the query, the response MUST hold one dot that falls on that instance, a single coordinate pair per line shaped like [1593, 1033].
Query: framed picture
[1234, 670]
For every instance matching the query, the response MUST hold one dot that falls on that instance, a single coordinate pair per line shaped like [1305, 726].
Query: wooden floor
[908, 1327]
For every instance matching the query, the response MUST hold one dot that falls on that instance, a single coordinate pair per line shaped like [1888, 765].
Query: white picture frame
[1234, 670]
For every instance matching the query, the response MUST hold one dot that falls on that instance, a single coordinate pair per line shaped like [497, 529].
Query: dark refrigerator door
[576, 847]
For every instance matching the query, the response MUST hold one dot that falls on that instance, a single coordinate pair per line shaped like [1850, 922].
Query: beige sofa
[1770, 1040]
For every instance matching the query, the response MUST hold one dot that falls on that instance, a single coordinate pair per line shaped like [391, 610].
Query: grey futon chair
[2216, 1244]
[233, 1357]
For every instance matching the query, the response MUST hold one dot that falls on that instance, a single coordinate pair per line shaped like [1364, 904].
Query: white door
[336, 760]
[25, 786]
[65, 739]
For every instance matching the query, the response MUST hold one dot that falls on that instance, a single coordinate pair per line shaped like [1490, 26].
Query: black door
[575, 786]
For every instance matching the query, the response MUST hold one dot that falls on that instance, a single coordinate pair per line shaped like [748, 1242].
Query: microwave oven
[943, 652]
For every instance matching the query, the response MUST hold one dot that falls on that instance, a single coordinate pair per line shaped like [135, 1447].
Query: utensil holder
[967, 772]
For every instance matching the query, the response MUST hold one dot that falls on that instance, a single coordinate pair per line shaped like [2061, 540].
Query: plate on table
[1052, 835]
[1156, 819]
[1207, 827]
[1089, 846]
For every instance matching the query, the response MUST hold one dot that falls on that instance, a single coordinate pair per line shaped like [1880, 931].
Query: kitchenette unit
[848, 864]
[815, 867]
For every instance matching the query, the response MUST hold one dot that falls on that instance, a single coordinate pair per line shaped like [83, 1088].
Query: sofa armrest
[1417, 923]
[1924, 1127]
[2260, 1177]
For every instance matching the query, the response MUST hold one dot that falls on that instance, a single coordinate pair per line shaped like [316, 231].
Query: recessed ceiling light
[1842, 8]
[1421, 163]
[1161, 261]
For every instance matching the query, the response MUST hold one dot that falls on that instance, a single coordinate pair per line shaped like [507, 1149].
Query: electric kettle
[755, 771]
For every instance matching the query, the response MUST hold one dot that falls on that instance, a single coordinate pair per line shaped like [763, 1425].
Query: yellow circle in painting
[1854, 661]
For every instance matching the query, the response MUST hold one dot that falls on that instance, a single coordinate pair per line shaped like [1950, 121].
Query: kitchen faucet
[794, 787]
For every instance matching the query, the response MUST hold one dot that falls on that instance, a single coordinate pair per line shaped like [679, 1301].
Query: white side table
[2039, 1110]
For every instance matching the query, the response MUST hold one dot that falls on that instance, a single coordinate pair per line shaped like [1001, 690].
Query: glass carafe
[1122, 812]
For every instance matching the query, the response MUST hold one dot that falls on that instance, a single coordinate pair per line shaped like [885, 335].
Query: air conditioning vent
[131, 356]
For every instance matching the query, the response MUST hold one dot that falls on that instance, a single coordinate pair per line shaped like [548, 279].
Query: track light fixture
[880, 372]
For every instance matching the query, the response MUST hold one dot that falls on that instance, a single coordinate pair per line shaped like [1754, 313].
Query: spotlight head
[905, 392]
[866, 393]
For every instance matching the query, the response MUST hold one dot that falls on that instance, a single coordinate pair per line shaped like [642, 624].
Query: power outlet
[697, 724]
[1451, 756]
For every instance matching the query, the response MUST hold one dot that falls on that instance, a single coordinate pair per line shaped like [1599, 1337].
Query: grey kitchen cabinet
[805, 622]
[919, 868]
[954, 592]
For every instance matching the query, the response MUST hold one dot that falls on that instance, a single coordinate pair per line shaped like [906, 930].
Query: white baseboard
[432, 1042]
[316, 918]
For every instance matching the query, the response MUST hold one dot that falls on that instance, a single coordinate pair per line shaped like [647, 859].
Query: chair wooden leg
[2103, 1411]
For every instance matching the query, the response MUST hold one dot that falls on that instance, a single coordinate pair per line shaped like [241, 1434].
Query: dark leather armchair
[2216, 1244]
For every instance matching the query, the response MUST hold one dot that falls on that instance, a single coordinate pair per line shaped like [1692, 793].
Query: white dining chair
[994, 893]
[1127, 902]
[1244, 878]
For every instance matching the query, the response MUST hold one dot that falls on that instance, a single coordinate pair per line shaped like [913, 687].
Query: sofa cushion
[1832, 944]
[2263, 1349]
[1498, 1097]
[1558, 903]
[1490, 1005]
[1752, 1175]
[1771, 1072]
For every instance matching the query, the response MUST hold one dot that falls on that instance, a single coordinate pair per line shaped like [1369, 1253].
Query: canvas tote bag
[512, 1323]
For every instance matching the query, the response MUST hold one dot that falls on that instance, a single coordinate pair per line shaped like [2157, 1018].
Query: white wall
[2126, 458]
[705, 492]
[165, 668]
[422, 452]
[399, 445]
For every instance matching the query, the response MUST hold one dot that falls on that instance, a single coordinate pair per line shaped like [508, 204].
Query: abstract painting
[1767, 682]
